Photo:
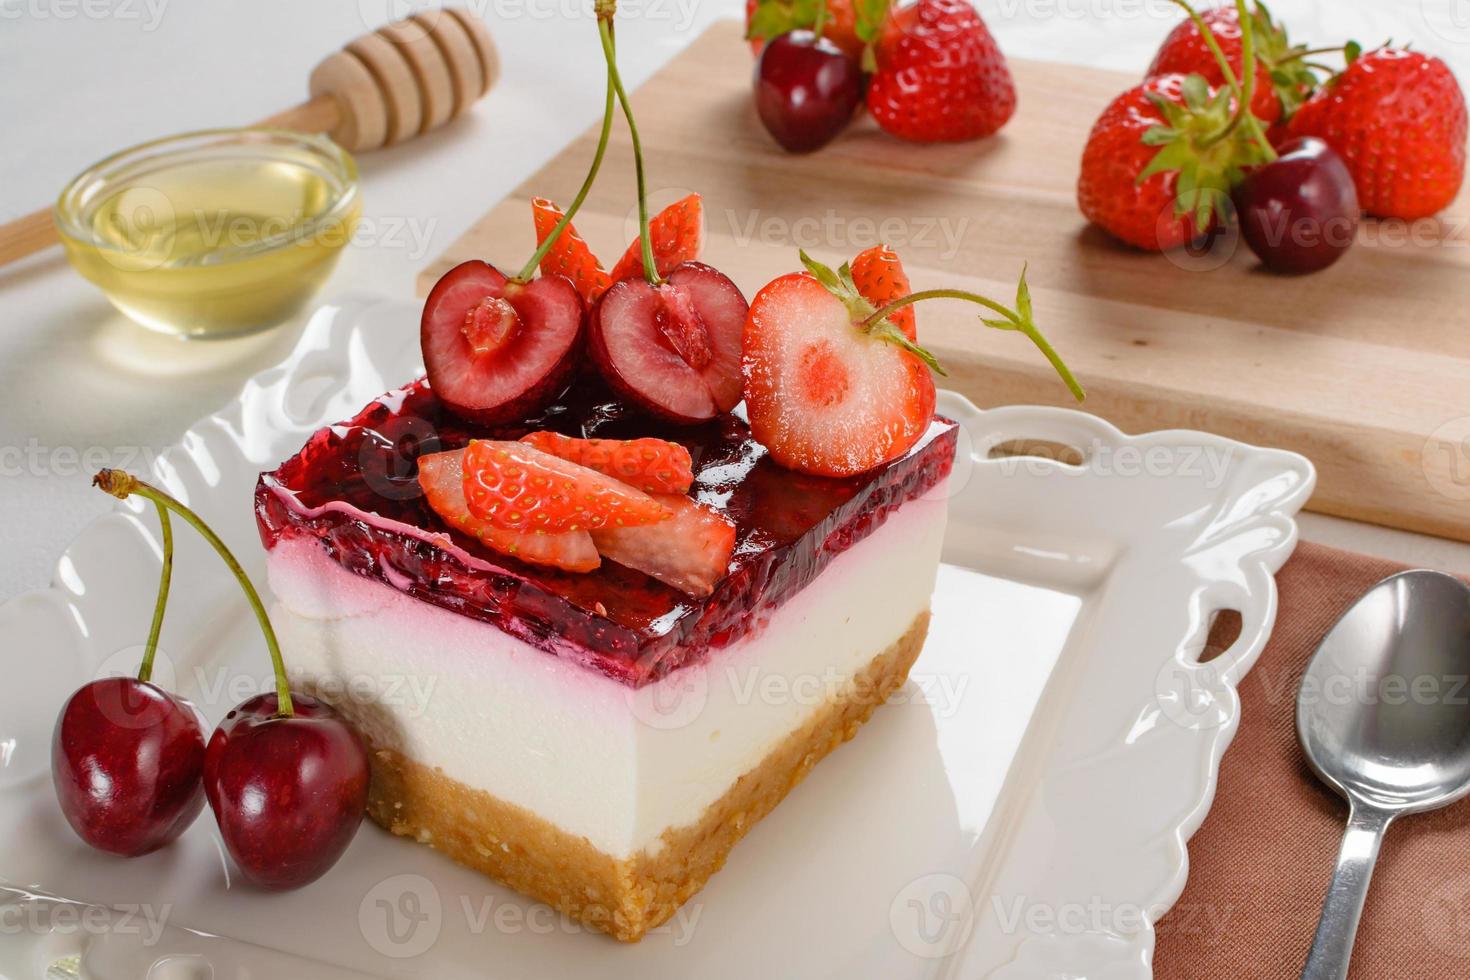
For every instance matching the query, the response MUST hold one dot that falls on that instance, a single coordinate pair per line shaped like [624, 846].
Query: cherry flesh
[806, 90]
[127, 759]
[288, 792]
[673, 349]
[1299, 213]
[496, 349]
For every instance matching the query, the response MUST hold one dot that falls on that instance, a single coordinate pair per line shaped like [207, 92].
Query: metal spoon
[1384, 715]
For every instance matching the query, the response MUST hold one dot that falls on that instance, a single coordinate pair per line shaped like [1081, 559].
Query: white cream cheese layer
[598, 759]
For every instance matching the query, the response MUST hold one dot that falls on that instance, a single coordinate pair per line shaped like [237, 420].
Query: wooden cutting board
[1364, 368]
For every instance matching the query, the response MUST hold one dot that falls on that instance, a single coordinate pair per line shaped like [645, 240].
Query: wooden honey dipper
[401, 80]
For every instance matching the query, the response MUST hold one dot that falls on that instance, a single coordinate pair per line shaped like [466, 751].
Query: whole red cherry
[806, 90]
[127, 759]
[1299, 213]
[288, 791]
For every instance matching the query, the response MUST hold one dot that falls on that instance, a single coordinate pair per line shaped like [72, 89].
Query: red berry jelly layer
[354, 487]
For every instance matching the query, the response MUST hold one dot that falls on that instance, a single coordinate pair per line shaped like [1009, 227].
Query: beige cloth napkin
[1260, 865]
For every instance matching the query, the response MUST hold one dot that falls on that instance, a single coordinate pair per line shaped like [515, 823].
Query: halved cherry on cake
[835, 381]
[497, 349]
[672, 347]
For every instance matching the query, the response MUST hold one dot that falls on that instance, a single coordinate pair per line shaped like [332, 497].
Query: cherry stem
[650, 269]
[145, 670]
[566, 219]
[1013, 321]
[123, 485]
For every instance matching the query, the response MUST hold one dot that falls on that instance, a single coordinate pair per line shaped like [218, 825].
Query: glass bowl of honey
[217, 233]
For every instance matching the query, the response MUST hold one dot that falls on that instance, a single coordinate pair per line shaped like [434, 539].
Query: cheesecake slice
[599, 741]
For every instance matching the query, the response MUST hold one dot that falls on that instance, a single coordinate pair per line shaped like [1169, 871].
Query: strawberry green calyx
[869, 27]
[1243, 92]
[854, 26]
[862, 312]
[876, 320]
[1199, 140]
[772, 18]
[1291, 74]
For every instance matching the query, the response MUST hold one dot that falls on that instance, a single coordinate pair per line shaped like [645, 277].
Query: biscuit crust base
[622, 897]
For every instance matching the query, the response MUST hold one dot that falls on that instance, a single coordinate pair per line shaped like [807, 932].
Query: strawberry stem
[124, 485]
[1243, 93]
[604, 28]
[145, 670]
[1012, 320]
[1313, 52]
[566, 219]
[1247, 91]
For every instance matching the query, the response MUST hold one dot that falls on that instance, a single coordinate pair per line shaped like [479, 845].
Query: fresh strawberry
[520, 488]
[677, 233]
[824, 394]
[939, 75]
[690, 551]
[442, 477]
[652, 465]
[1397, 118]
[1150, 177]
[878, 275]
[833, 390]
[1283, 80]
[765, 19]
[570, 256]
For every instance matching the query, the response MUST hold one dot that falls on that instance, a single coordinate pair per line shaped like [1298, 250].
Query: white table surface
[81, 387]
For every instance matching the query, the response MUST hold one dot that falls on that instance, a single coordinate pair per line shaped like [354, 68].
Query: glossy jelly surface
[353, 486]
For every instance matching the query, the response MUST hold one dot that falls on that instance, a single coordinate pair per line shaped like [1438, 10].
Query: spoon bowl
[1384, 708]
[1384, 717]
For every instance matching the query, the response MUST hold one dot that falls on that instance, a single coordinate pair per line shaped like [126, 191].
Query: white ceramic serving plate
[1020, 811]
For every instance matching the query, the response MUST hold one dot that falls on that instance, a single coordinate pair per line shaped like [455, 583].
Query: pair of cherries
[286, 778]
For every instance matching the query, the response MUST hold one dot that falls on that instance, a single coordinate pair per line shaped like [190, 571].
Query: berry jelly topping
[354, 486]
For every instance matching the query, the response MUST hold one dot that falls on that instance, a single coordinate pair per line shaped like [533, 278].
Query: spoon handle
[1332, 948]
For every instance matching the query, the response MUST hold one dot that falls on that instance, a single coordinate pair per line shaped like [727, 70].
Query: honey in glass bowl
[212, 234]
